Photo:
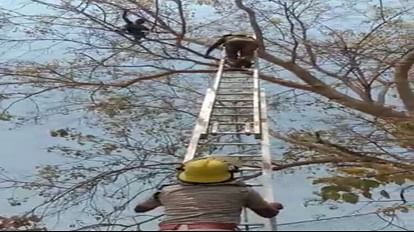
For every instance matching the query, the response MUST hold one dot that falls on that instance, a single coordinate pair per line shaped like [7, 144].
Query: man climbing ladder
[207, 197]
[239, 49]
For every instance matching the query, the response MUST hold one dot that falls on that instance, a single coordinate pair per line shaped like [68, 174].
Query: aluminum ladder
[233, 123]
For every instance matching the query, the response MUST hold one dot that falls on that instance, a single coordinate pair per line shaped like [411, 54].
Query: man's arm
[125, 17]
[144, 28]
[150, 204]
[215, 45]
[258, 205]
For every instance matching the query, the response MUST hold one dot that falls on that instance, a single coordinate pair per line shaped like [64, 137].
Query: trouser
[240, 52]
[186, 228]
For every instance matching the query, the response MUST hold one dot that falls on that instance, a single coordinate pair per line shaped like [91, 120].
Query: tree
[358, 74]
[16, 223]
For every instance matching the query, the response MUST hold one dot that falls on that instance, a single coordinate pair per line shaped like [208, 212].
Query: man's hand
[276, 206]
[150, 204]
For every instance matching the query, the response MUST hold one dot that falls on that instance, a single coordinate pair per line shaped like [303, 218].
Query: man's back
[221, 203]
[237, 36]
[245, 39]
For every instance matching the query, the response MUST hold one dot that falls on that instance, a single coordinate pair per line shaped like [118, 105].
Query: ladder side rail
[267, 172]
[256, 99]
[201, 124]
[203, 120]
[209, 109]
[219, 73]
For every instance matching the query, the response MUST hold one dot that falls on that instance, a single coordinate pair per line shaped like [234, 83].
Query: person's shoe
[246, 63]
[234, 64]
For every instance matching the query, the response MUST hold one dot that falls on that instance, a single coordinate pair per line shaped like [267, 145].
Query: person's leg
[247, 52]
[245, 63]
[231, 54]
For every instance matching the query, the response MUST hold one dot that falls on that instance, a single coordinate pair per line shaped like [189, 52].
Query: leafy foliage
[17, 223]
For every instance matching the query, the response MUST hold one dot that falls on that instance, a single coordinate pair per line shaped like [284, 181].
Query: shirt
[217, 203]
[231, 37]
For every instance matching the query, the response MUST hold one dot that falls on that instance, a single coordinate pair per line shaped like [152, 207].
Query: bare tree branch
[401, 79]
[183, 21]
[255, 25]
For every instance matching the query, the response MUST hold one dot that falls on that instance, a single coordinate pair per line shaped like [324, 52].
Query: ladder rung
[235, 100]
[234, 123]
[240, 73]
[237, 82]
[239, 87]
[233, 115]
[231, 144]
[246, 77]
[233, 107]
[243, 102]
[238, 155]
[233, 88]
[230, 133]
[233, 69]
[230, 121]
[240, 93]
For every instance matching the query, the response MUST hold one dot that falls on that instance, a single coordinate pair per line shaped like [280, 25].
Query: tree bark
[401, 80]
[325, 90]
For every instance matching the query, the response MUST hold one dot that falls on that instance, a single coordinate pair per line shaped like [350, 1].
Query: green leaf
[370, 184]
[330, 196]
[350, 198]
[351, 181]
[330, 193]
[5, 117]
[336, 188]
[321, 180]
[385, 194]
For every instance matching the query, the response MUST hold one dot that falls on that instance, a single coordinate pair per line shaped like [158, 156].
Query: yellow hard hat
[205, 171]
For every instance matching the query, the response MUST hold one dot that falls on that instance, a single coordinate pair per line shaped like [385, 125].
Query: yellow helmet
[206, 171]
